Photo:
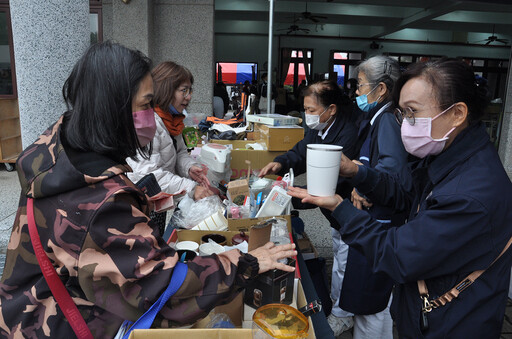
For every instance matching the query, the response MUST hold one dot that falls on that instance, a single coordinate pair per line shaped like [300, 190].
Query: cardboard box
[238, 190]
[245, 224]
[217, 333]
[280, 138]
[240, 153]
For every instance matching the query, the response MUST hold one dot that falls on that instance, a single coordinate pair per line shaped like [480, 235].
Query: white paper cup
[187, 245]
[323, 167]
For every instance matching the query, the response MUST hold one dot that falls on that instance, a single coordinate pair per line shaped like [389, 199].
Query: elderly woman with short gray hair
[362, 297]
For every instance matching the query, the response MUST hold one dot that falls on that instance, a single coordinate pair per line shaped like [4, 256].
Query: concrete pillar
[49, 37]
[505, 146]
[132, 23]
[183, 32]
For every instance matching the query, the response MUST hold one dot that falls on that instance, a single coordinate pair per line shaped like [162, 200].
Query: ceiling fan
[294, 28]
[310, 16]
[493, 38]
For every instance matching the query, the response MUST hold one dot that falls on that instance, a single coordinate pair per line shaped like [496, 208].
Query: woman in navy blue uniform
[329, 114]
[363, 293]
[460, 202]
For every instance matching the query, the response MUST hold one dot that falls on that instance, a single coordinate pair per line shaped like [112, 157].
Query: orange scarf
[173, 123]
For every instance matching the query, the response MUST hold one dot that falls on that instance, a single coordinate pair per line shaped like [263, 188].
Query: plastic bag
[192, 212]
[220, 320]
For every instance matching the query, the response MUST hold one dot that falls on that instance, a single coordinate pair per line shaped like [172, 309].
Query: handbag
[429, 305]
[66, 303]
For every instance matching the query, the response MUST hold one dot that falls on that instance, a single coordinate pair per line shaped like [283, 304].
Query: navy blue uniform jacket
[460, 220]
[343, 132]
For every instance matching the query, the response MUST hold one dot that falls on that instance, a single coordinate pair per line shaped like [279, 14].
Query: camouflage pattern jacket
[108, 254]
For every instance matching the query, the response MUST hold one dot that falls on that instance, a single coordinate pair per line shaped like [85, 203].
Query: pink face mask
[145, 125]
[417, 138]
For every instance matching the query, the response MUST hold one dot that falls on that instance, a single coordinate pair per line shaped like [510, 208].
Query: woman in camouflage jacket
[93, 221]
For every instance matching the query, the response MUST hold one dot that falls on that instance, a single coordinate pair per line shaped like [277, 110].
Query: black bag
[149, 185]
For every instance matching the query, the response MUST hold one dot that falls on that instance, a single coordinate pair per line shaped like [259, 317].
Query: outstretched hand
[329, 203]
[270, 168]
[198, 174]
[269, 254]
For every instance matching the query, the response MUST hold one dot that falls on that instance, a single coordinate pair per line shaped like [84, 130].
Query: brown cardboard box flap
[259, 235]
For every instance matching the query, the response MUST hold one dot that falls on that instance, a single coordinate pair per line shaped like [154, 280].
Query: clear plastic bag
[220, 320]
[192, 212]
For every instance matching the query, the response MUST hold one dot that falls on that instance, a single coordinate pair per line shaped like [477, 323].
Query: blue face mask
[362, 102]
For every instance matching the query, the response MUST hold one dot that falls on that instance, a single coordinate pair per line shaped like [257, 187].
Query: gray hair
[380, 69]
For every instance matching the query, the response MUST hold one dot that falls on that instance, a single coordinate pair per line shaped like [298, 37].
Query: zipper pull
[427, 307]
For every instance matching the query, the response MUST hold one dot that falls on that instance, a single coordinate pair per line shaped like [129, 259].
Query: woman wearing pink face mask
[93, 223]
[174, 169]
[451, 260]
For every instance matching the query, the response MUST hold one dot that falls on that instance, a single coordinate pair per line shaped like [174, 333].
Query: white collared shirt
[323, 135]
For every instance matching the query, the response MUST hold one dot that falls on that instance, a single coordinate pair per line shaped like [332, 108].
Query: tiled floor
[317, 228]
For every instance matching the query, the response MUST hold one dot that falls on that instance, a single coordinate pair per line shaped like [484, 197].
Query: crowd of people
[420, 220]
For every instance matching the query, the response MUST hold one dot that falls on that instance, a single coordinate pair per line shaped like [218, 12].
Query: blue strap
[146, 320]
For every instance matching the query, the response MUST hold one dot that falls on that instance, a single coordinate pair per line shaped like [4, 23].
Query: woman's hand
[270, 168]
[358, 201]
[348, 168]
[269, 254]
[201, 192]
[326, 202]
[198, 174]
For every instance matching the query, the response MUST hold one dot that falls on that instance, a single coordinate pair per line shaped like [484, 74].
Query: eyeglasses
[186, 91]
[408, 114]
[361, 85]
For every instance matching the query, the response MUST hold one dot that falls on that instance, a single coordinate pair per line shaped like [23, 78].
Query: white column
[49, 37]
[505, 146]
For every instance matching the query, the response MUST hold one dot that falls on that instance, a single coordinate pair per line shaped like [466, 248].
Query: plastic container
[239, 238]
[210, 248]
[279, 321]
[323, 167]
[216, 156]
[187, 245]
[276, 203]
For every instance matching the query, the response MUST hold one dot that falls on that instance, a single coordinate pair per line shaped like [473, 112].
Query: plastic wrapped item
[236, 212]
[220, 320]
[191, 137]
[285, 181]
[279, 234]
[192, 212]
[275, 204]
[261, 185]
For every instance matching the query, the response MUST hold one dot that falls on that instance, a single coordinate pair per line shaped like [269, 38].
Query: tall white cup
[323, 167]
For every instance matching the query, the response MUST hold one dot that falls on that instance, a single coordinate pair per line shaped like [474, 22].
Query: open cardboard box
[235, 309]
[219, 333]
[245, 224]
[240, 154]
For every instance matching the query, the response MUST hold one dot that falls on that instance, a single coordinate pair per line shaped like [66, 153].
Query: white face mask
[313, 121]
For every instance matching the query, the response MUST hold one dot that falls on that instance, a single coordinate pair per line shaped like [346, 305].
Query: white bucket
[323, 167]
